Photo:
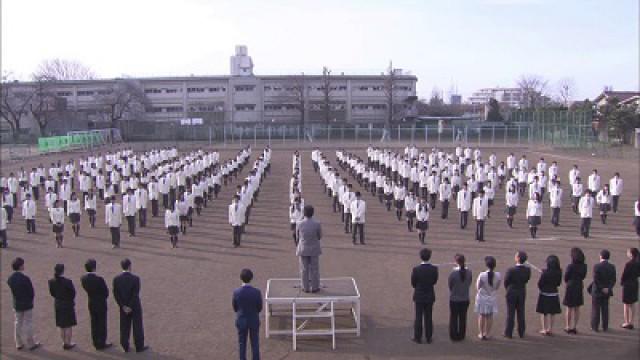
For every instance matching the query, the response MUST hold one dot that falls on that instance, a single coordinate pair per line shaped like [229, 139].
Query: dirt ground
[186, 292]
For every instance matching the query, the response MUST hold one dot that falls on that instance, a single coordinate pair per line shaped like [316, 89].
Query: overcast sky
[465, 43]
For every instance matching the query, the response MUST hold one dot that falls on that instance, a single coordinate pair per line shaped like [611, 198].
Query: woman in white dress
[486, 305]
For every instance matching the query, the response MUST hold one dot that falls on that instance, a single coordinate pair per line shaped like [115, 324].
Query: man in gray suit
[309, 235]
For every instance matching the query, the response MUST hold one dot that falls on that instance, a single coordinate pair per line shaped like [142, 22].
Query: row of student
[134, 204]
[425, 276]
[126, 292]
[584, 202]
[296, 200]
[345, 200]
[239, 210]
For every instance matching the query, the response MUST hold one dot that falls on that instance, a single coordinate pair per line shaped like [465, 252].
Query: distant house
[624, 97]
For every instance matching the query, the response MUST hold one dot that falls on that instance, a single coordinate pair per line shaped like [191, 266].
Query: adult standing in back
[488, 284]
[309, 233]
[423, 279]
[23, 294]
[573, 295]
[629, 283]
[64, 293]
[459, 283]
[604, 278]
[97, 292]
[515, 282]
[247, 304]
[126, 291]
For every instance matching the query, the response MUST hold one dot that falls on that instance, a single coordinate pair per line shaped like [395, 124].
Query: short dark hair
[17, 263]
[246, 275]
[425, 254]
[522, 257]
[90, 265]
[125, 264]
[58, 270]
[605, 254]
[308, 211]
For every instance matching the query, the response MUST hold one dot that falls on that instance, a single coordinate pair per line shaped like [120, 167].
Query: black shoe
[362, 243]
[35, 346]
[315, 290]
[143, 349]
[508, 336]
[429, 341]
[125, 349]
[417, 341]
[68, 346]
[104, 347]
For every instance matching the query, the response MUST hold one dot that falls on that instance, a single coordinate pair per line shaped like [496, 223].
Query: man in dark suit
[604, 278]
[423, 279]
[247, 304]
[126, 291]
[309, 233]
[97, 292]
[515, 281]
[23, 294]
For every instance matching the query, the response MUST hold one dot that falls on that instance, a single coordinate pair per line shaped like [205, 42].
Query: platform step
[323, 314]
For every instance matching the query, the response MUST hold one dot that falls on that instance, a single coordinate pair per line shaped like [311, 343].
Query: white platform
[305, 307]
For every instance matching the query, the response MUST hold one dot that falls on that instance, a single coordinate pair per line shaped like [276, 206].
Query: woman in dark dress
[573, 296]
[549, 300]
[62, 290]
[629, 282]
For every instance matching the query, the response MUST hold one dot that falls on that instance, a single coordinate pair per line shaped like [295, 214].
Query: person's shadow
[114, 352]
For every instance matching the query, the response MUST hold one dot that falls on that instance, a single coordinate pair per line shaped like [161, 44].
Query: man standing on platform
[309, 233]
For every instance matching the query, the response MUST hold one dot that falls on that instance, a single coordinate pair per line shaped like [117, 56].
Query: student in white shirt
[295, 216]
[534, 214]
[129, 211]
[57, 219]
[464, 205]
[555, 202]
[113, 219]
[73, 212]
[182, 206]
[172, 222]
[585, 208]
[615, 185]
[410, 203]
[604, 199]
[490, 194]
[142, 197]
[422, 218]
[388, 193]
[444, 193]
[511, 199]
[29, 211]
[576, 193]
[636, 217]
[399, 193]
[480, 210]
[90, 202]
[236, 219]
[358, 213]
[3, 226]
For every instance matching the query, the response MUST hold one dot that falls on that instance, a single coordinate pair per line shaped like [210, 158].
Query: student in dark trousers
[629, 283]
[23, 294]
[423, 279]
[97, 292]
[126, 291]
[247, 304]
[601, 290]
[515, 282]
[459, 284]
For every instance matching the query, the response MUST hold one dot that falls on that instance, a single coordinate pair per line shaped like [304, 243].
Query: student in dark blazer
[423, 279]
[573, 295]
[97, 292]
[247, 304]
[629, 283]
[604, 278]
[515, 282]
[64, 293]
[126, 291]
[23, 294]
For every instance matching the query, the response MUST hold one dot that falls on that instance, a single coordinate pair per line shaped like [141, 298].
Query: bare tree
[327, 83]
[566, 91]
[389, 92]
[14, 103]
[532, 88]
[296, 92]
[44, 101]
[124, 98]
[59, 69]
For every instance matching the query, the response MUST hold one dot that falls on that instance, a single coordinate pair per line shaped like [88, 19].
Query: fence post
[298, 130]
[398, 132]
[504, 130]
[493, 135]
[479, 135]
[466, 134]
[342, 134]
[518, 134]
[453, 135]
[209, 135]
[284, 133]
[224, 135]
[413, 131]
[439, 135]
[370, 132]
[426, 134]
[269, 134]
